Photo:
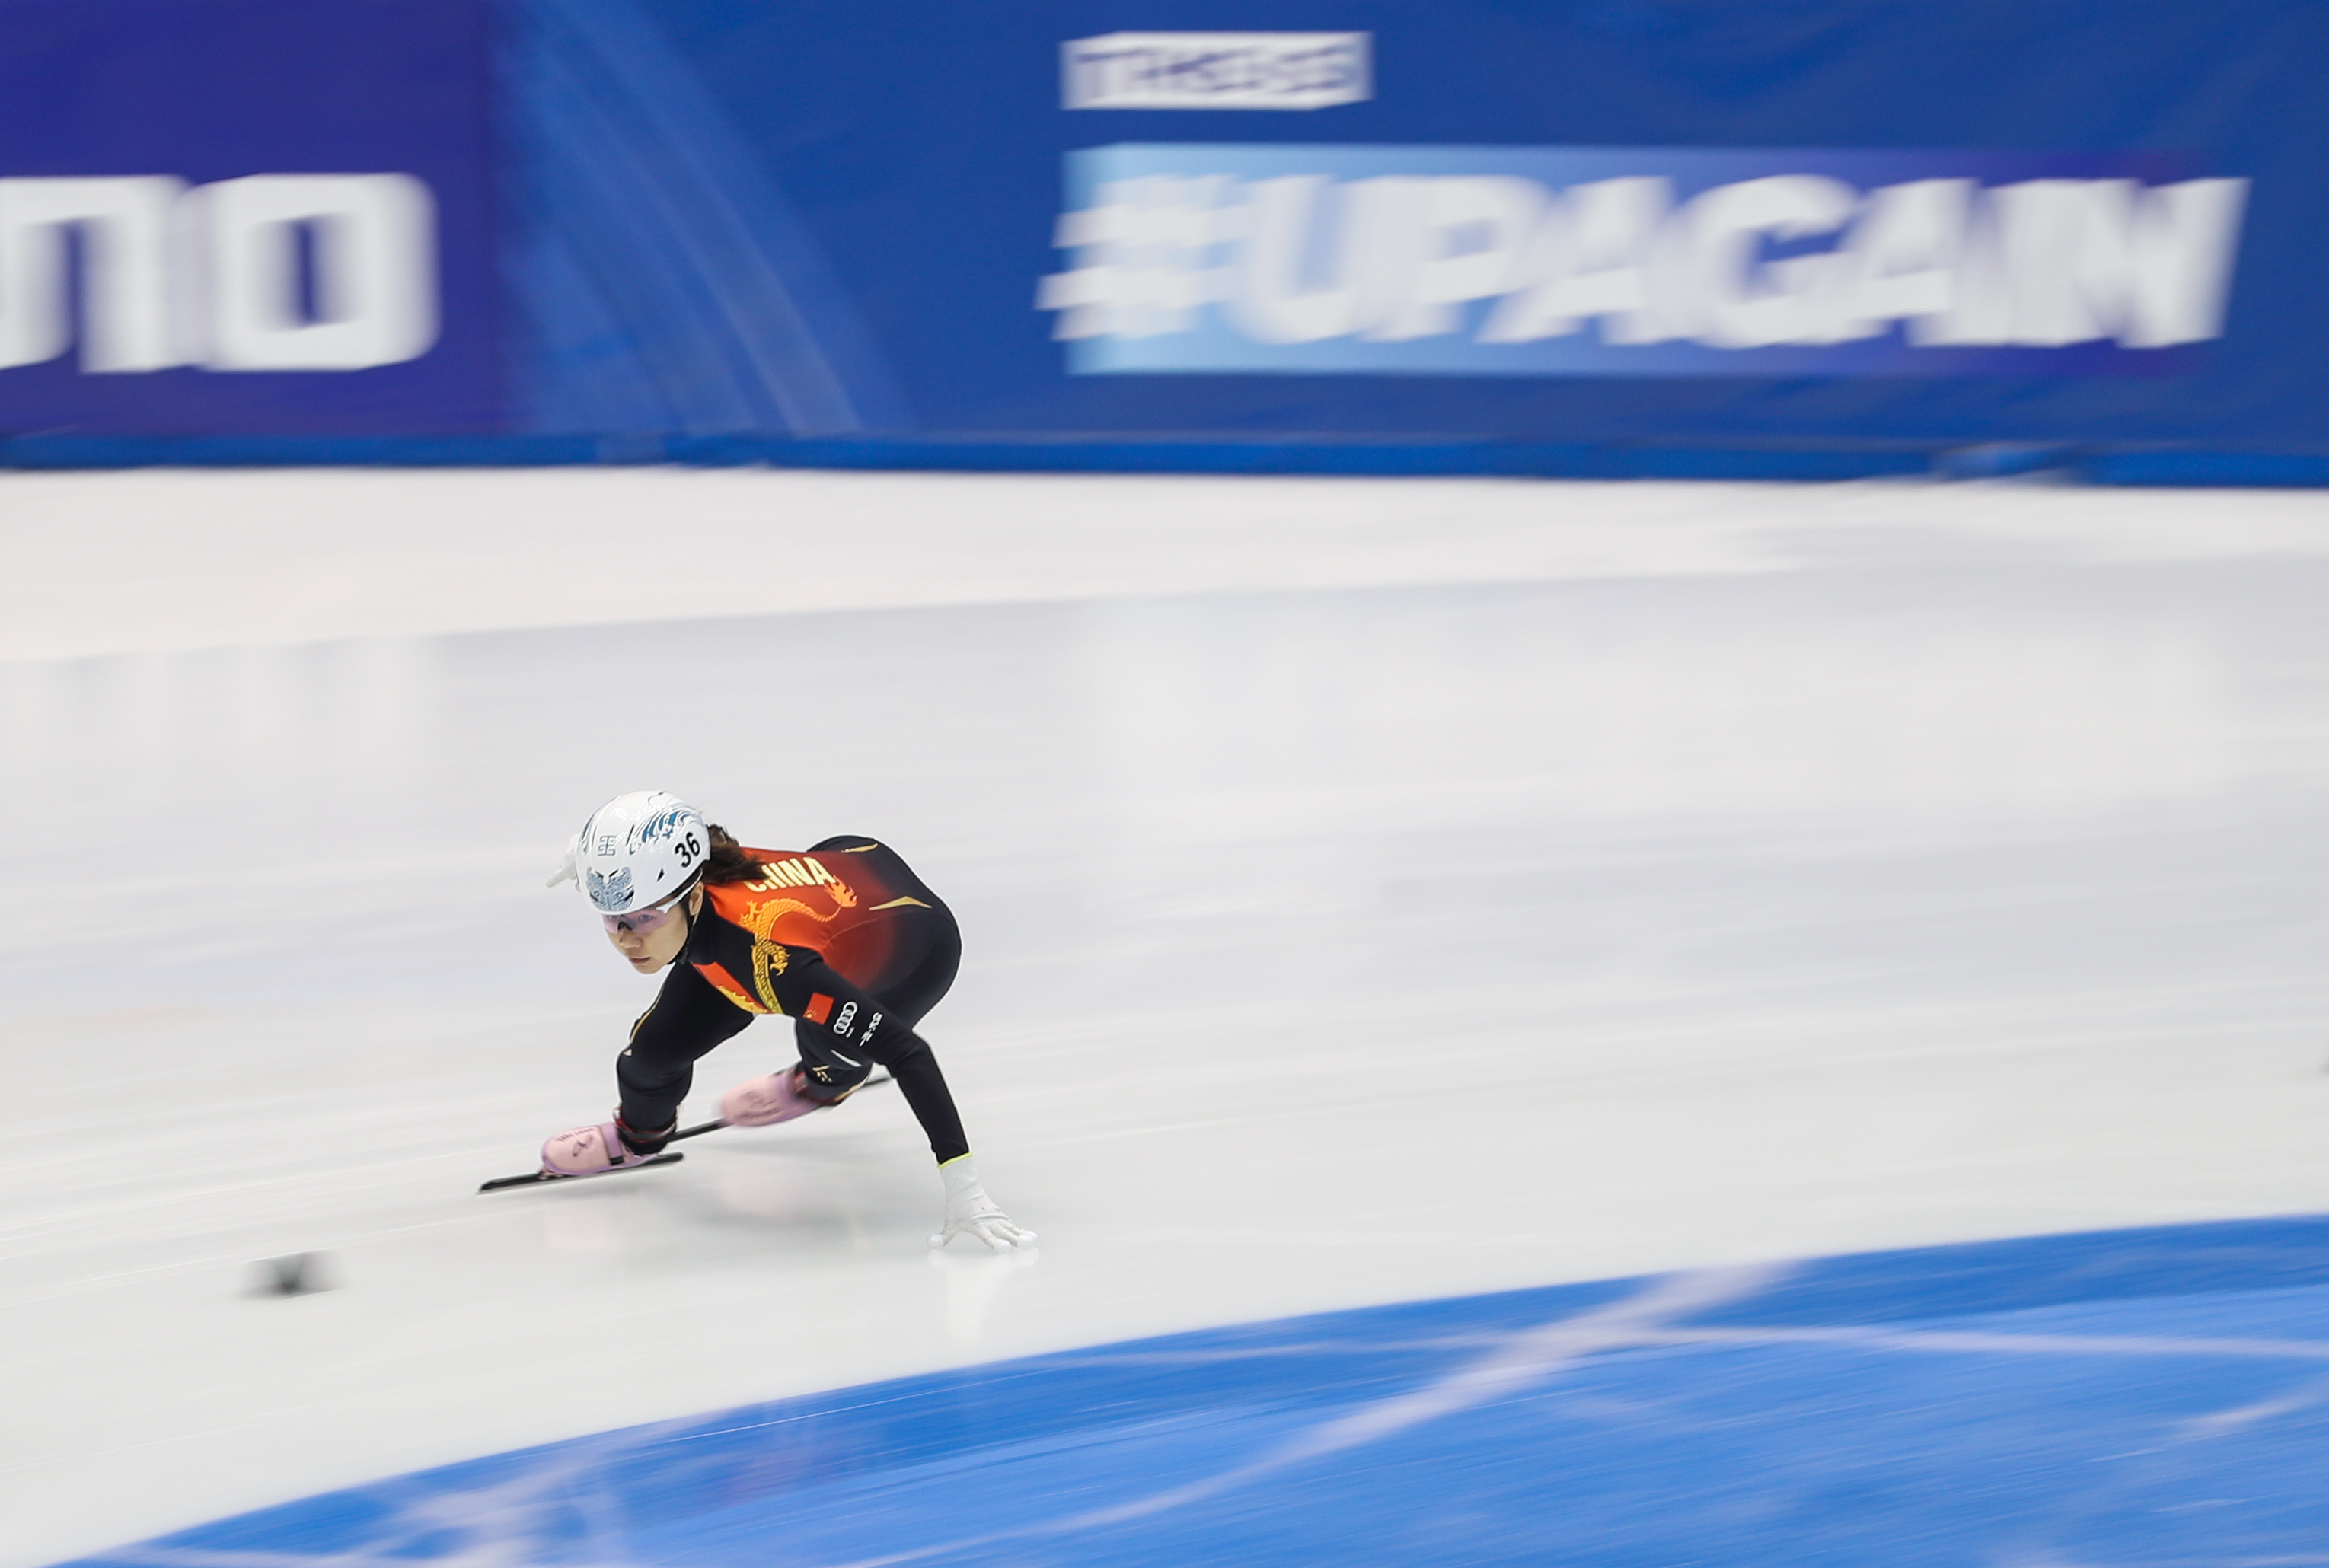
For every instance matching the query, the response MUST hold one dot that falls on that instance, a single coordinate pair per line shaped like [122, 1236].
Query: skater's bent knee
[826, 1082]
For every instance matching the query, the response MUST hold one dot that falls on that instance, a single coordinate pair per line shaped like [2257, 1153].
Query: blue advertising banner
[636, 229]
[1717, 222]
[246, 215]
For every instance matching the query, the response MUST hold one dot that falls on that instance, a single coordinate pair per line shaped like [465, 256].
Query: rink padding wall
[2144, 1395]
[1655, 237]
[1377, 459]
[1383, 458]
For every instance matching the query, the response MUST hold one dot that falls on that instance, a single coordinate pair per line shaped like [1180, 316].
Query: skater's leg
[833, 1062]
[907, 961]
[933, 959]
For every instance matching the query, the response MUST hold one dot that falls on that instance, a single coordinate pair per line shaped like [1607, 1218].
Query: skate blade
[543, 1178]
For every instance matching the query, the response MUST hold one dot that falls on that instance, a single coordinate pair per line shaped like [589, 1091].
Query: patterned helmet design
[638, 850]
[612, 892]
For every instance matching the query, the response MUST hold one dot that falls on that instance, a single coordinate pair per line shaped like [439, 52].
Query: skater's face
[651, 949]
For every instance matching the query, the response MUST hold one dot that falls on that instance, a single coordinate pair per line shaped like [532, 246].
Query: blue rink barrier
[1376, 457]
[2142, 1398]
[1381, 459]
[1355, 458]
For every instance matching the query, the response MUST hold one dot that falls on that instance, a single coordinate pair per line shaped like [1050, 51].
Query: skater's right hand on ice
[970, 1212]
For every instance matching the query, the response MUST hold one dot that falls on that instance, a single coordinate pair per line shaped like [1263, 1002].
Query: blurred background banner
[1585, 222]
[1715, 223]
[247, 215]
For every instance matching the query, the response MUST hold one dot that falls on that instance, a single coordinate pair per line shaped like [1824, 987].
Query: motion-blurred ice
[1371, 891]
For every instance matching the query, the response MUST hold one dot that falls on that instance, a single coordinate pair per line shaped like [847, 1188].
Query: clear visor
[643, 920]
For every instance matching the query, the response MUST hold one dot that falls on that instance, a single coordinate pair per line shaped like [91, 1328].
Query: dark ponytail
[727, 862]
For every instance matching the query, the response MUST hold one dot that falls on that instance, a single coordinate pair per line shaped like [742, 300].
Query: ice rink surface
[1371, 891]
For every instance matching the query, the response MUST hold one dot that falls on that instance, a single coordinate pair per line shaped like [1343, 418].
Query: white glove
[970, 1212]
[567, 870]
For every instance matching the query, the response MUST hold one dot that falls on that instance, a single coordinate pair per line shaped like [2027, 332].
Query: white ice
[1372, 891]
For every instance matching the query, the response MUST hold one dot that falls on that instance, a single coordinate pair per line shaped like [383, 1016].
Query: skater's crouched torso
[850, 900]
[843, 939]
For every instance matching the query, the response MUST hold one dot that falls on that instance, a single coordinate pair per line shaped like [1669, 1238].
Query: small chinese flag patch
[819, 1008]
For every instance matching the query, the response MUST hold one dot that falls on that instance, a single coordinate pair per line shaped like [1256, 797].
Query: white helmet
[638, 848]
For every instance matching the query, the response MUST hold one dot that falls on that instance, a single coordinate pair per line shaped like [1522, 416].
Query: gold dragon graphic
[769, 956]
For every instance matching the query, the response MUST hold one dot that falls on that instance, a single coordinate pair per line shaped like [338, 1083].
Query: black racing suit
[842, 938]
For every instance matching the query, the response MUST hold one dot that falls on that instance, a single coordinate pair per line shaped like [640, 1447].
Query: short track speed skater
[842, 940]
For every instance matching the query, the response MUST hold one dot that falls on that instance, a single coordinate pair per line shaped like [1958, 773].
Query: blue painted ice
[2143, 1397]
